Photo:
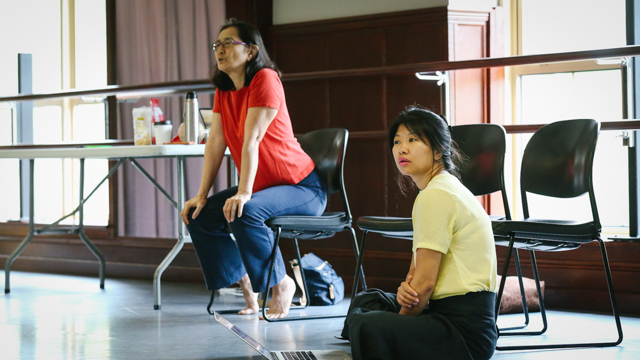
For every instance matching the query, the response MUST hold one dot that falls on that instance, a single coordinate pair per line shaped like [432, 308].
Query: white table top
[105, 152]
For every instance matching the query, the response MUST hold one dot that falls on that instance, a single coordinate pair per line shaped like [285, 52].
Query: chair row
[557, 162]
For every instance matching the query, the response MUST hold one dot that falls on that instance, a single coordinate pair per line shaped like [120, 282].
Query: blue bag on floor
[324, 285]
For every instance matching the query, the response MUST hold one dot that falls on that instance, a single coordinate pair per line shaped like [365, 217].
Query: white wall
[293, 11]
[33, 27]
[476, 5]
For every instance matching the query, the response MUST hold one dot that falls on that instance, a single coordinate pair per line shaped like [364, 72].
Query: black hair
[251, 36]
[431, 129]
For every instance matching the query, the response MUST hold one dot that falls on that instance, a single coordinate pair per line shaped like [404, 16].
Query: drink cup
[163, 131]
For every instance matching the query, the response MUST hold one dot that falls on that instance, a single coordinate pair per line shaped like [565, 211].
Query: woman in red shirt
[277, 177]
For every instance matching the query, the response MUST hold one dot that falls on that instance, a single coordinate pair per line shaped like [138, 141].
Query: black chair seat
[546, 230]
[326, 221]
[394, 227]
[537, 244]
[544, 235]
[310, 227]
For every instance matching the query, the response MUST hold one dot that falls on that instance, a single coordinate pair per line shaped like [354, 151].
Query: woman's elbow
[424, 287]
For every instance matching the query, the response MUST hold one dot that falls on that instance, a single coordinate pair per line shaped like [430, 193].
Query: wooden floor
[68, 317]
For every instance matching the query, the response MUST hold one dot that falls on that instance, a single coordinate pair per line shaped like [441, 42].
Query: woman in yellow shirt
[445, 307]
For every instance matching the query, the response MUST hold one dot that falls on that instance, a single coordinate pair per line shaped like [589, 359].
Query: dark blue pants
[225, 262]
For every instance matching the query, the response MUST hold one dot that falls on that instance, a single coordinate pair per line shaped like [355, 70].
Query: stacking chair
[557, 162]
[482, 173]
[327, 148]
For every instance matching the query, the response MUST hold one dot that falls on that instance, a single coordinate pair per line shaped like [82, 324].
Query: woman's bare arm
[213, 155]
[256, 125]
[420, 287]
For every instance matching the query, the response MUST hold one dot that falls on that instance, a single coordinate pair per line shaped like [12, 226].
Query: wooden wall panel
[368, 46]
[417, 43]
[305, 101]
[357, 104]
[403, 91]
[300, 54]
[256, 12]
[467, 40]
[364, 176]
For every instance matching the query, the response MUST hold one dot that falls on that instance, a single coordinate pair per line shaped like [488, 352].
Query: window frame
[67, 107]
[513, 76]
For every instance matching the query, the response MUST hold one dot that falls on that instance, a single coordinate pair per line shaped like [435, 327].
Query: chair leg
[359, 270]
[614, 307]
[543, 312]
[612, 294]
[232, 311]
[304, 281]
[356, 276]
[525, 308]
[536, 277]
[505, 269]
[213, 293]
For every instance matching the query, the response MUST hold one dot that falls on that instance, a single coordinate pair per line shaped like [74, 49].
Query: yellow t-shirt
[449, 219]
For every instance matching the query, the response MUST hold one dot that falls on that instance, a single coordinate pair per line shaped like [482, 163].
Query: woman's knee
[364, 322]
[206, 223]
[252, 214]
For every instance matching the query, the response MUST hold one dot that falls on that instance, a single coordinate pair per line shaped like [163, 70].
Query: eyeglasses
[225, 44]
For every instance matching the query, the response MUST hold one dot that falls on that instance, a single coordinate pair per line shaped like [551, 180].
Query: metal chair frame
[551, 157]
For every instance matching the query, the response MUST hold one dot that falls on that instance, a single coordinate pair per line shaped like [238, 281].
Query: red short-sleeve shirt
[281, 159]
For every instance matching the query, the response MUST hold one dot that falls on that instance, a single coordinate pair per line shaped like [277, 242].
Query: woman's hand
[234, 205]
[407, 296]
[197, 202]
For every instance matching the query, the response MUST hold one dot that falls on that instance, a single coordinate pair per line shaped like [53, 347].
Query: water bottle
[191, 112]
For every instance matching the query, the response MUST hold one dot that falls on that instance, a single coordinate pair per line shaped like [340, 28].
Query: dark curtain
[161, 41]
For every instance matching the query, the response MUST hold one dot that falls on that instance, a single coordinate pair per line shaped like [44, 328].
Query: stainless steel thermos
[191, 112]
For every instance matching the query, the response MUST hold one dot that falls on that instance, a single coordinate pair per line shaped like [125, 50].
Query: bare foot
[249, 296]
[281, 301]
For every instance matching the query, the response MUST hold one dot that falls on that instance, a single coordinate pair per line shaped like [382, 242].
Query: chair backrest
[327, 148]
[484, 146]
[558, 161]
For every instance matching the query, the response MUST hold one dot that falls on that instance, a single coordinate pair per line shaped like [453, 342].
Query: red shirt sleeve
[266, 90]
[216, 102]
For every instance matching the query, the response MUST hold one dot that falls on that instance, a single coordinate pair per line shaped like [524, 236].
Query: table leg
[81, 233]
[27, 239]
[153, 181]
[181, 236]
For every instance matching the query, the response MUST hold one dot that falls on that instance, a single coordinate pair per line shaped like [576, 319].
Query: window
[67, 39]
[582, 89]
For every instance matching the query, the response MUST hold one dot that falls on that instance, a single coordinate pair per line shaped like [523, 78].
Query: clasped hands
[407, 297]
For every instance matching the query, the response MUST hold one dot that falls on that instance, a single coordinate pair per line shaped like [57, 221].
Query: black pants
[457, 327]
